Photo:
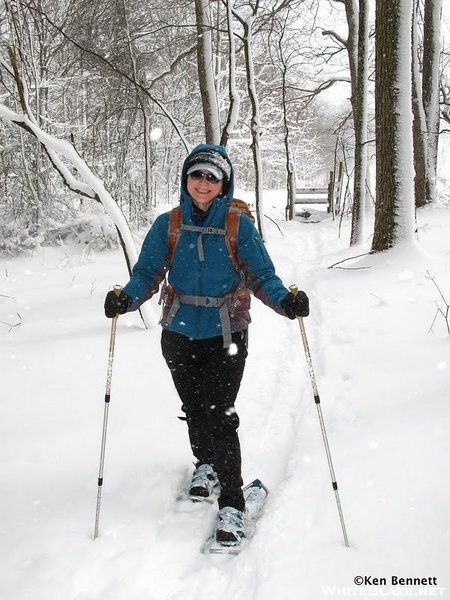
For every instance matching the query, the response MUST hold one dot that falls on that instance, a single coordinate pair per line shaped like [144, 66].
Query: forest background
[101, 101]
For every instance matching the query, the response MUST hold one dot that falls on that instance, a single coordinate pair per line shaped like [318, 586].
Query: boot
[204, 480]
[230, 527]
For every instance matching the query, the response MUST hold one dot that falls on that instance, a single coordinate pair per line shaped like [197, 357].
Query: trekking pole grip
[117, 289]
[294, 290]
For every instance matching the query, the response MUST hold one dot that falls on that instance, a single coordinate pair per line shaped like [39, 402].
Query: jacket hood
[217, 154]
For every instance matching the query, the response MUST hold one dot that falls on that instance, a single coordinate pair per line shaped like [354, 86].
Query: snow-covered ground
[384, 384]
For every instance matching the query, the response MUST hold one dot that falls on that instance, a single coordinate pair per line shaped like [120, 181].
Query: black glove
[116, 304]
[295, 305]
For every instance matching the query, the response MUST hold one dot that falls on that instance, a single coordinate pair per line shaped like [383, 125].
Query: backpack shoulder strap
[231, 238]
[234, 212]
[232, 229]
[243, 207]
[174, 231]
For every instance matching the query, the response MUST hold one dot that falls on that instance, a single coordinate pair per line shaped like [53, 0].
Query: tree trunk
[233, 110]
[255, 125]
[291, 183]
[394, 210]
[206, 72]
[430, 88]
[419, 124]
[359, 46]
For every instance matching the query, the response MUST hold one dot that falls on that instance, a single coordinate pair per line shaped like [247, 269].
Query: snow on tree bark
[255, 125]
[206, 72]
[419, 124]
[233, 112]
[394, 210]
[358, 48]
[430, 87]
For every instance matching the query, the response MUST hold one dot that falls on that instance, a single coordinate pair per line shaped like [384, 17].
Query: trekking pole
[112, 340]
[294, 290]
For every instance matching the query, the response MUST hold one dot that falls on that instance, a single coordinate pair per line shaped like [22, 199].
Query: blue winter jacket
[215, 276]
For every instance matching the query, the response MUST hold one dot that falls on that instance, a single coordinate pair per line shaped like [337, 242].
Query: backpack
[231, 234]
[237, 301]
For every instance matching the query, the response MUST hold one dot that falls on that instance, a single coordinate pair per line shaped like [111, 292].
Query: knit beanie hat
[212, 161]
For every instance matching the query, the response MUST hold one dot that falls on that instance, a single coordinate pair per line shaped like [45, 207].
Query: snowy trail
[143, 530]
[386, 420]
[271, 406]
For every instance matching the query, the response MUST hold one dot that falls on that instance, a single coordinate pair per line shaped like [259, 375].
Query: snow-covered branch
[91, 187]
[335, 36]
[233, 112]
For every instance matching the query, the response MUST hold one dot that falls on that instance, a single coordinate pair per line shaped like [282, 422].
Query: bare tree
[357, 48]
[255, 125]
[394, 209]
[233, 93]
[444, 88]
[420, 153]
[255, 20]
[287, 55]
[85, 182]
[430, 88]
[358, 19]
[206, 72]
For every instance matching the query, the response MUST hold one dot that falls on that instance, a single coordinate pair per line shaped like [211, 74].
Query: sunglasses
[198, 176]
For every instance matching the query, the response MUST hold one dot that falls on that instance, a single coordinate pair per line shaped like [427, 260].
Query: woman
[205, 320]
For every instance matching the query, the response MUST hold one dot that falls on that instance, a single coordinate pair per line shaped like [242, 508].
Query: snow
[207, 59]
[383, 380]
[235, 98]
[90, 185]
[403, 124]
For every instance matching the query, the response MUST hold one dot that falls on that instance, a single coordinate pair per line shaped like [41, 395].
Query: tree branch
[335, 36]
[118, 71]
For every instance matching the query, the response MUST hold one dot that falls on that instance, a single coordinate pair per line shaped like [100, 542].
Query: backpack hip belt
[206, 302]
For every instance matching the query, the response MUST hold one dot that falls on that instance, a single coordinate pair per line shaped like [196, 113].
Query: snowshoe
[255, 494]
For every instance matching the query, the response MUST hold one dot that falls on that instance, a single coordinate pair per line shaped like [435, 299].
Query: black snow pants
[207, 378]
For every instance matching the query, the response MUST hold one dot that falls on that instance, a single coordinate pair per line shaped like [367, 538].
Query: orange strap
[232, 225]
[231, 238]
[174, 231]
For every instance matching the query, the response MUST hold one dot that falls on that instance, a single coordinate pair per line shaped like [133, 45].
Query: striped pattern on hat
[212, 157]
